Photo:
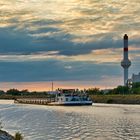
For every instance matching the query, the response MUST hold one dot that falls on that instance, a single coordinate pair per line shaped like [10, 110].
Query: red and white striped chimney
[125, 63]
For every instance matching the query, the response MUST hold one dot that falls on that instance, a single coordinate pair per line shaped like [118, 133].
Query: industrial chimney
[125, 63]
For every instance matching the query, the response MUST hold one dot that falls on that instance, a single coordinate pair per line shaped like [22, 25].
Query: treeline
[16, 92]
[130, 89]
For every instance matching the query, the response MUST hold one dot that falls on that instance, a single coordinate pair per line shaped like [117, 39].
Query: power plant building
[126, 63]
[135, 78]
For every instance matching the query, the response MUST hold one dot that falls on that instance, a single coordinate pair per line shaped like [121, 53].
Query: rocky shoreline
[5, 135]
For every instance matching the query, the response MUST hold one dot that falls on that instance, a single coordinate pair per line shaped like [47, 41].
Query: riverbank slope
[110, 98]
[5, 136]
[116, 99]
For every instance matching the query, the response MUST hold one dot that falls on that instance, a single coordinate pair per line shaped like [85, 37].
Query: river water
[97, 122]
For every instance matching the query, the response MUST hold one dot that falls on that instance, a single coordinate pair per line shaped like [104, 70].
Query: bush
[1, 125]
[18, 136]
[109, 101]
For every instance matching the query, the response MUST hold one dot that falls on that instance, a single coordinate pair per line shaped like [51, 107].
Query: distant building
[52, 92]
[135, 78]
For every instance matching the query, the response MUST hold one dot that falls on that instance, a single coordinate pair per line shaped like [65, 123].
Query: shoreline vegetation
[120, 95]
[6, 136]
[109, 99]
[116, 99]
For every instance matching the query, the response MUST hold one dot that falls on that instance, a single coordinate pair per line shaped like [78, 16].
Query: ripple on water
[100, 122]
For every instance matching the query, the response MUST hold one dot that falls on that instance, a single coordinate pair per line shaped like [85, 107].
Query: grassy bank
[116, 99]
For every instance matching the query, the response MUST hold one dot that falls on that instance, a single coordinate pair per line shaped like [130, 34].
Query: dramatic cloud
[42, 40]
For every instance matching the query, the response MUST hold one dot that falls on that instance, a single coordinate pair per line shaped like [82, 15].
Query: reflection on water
[99, 122]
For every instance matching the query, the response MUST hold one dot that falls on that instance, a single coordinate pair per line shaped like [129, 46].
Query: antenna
[52, 85]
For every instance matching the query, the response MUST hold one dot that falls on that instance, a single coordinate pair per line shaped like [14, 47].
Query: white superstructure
[70, 98]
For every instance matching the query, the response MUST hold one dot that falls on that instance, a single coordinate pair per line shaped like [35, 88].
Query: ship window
[73, 99]
[66, 99]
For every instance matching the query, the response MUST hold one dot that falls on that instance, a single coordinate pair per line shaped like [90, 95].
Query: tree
[136, 85]
[121, 90]
[13, 92]
[2, 92]
[136, 88]
[92, 91]
[1, 125]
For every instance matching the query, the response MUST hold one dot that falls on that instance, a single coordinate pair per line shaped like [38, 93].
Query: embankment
[116, 99]
[112, 99]
[5, 136]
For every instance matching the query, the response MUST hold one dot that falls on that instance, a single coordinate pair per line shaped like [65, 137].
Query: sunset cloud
[70, 39]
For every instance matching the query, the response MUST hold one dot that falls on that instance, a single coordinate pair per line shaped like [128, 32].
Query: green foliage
[109, 101]
[1, 125]
[2, 92]
[130, 89]
[13, 92]
[136, 85]
[93, 91]
[121, 90]
[18, 136]
[16, 92]
[136, 88]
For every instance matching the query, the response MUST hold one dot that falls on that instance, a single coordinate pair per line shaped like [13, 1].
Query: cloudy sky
[75, 43]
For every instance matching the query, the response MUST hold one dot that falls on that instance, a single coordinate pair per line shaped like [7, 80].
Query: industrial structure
[125, 63]
[135, 78]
